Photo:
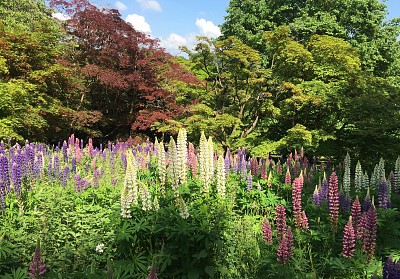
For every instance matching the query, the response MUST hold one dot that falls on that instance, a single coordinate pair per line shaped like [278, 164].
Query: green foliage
[361, 23]
[35, 88]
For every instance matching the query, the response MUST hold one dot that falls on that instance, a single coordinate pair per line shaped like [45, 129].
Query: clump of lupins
[349, 240]
[333, 201]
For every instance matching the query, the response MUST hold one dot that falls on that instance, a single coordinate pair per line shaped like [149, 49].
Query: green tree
[360, 22]
[36, 86]
[235, 98]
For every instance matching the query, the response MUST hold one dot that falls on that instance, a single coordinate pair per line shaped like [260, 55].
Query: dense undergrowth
[123, 211]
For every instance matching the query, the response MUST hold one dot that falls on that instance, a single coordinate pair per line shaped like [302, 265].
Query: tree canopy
[360, 22]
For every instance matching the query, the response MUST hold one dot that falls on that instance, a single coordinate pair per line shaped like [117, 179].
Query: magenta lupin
[296, 201]
[37, 267]
[333, 201]
[356, 216]
[280, 221]
[288, 178]
[267, 231]
[304, 220]
[349, 239]
[370, 227]
[285, 247]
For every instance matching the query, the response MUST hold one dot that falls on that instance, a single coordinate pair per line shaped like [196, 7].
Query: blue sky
[178, 22]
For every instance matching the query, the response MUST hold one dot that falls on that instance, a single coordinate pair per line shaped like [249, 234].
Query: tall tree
[236, 97]
[36, 86]
[130, 80]
[360, 22]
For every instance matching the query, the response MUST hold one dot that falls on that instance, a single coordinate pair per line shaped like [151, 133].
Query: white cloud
[121, 6]
[149, 5]
[60, 16]
[174, 41]
[139, 23]
[207, 28]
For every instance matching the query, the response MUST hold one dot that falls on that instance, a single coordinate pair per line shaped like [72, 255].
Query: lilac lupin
[123, 159]
[324, 189]
[16, 175]
[227, 162]
[56, 166]
[316, 197]
[249, 182]
[383, 194]
[73, 165]
[344, 201]
[4, 174]
[64, 150]
[65, 176]
[390, 269]
[367, 202]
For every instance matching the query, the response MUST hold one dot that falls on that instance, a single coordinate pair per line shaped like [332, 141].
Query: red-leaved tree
[129, 78]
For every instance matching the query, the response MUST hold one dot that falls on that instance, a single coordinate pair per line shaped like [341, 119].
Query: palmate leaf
[6, 249]
[17, 274]
[126, 232]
